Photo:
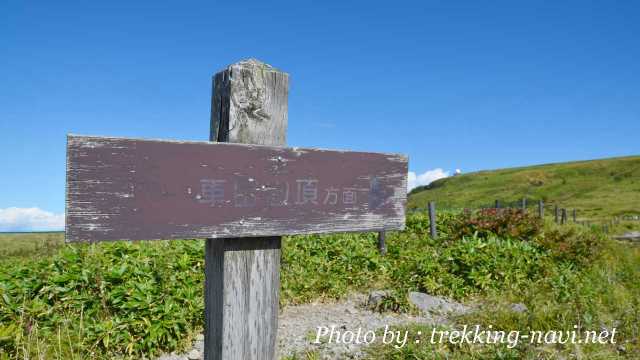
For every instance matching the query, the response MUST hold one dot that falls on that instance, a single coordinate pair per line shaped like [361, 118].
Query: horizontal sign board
[129, 189]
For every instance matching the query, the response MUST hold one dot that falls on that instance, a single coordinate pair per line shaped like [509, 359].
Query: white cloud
[425, 178]
[30, 219]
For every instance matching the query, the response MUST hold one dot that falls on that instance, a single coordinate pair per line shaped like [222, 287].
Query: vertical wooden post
[541, 209]
[242, 275]
[557, 214]
[564, 216]
[575, 215]
[432, 220]
[382, 246]
[497, 206]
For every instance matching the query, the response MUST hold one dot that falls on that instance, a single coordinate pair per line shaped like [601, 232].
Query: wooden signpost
[240, 197]
[126, 189]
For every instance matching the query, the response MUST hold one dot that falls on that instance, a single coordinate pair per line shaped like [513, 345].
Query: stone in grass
[519, 308]
[376, 297]
[435, 304]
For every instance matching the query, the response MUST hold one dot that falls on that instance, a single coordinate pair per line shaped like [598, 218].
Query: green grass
[29, 244]
[599, 189]
[125, 300]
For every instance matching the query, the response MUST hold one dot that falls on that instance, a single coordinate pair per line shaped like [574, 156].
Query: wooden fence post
[497, 206]
[432, 220]
[575, 216]
[564, 216]
[242, 275]
[382, 246]
[541, 209]
[557, 214]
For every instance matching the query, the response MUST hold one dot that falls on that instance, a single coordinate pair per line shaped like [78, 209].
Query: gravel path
[298, 325]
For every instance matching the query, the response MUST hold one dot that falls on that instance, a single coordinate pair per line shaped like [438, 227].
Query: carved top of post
[250, 104]
[252, 63]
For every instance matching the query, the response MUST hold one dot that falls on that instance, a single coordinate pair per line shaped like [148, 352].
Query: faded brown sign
[128, 189]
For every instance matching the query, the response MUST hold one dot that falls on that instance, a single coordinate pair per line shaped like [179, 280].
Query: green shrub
[418, 223]
[115, 299]
[507, 223]
[471, 266]
[328, 266]
[572, 244]
[601, 294]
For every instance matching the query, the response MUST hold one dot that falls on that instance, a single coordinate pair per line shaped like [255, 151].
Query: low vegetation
[125, 300]
[601, 296]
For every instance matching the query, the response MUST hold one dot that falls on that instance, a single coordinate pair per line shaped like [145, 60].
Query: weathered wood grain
[127, 189]
[242, 283]
[432, 220]
[382, 245]
[540, 209]
[249, 105]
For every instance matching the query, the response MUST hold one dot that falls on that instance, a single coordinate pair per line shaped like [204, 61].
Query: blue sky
[470, 85]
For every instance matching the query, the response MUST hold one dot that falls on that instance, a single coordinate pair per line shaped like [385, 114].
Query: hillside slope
[599, 189]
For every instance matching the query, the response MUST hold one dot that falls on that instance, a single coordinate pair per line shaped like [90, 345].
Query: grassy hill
[599, 189]
[29, 244]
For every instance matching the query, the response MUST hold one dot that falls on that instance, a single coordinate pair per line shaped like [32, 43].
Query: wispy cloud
[30, 219]
[414, 180]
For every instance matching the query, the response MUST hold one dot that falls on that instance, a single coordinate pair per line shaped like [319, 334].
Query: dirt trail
[298, 326]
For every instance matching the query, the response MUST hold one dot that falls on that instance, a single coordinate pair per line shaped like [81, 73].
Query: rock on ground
[429, 304]
[631, 236]
[519, 308]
